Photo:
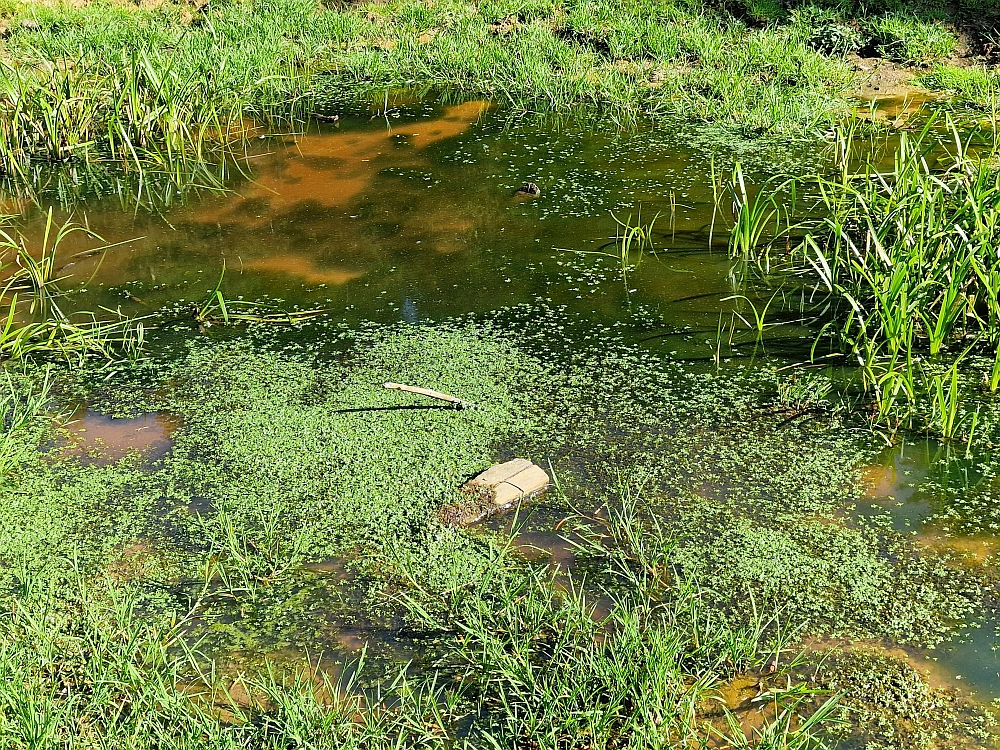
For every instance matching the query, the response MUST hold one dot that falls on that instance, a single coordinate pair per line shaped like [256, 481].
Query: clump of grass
[167, 94]
[804, 391]
[976, 86]
[142, 114]
[632, 241]
[646, 674]
[22, 407]
[88, 666]
[905, 260]
[912, 40]
[35, 323]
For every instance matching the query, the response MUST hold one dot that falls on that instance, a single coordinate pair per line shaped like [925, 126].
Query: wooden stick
[459, 403]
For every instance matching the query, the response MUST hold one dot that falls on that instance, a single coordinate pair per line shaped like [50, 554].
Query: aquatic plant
[803, 391]
[632, 240]
[759, 322]
[646, 673]
[35, 323]
[21, 406]
[246, 559]
[217, 309]
[759, 219]
[901, 265]
[295, 457]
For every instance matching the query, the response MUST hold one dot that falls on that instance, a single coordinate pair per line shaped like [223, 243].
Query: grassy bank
[166, 87]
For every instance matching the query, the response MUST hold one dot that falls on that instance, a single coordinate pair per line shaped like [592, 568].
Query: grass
[976, 86]
[34, 323]
[216, 309]
[910, 40]
[646, 674]
[88, 667]
[21, 409]
[900, 270]
[165, 94]
[172, 97]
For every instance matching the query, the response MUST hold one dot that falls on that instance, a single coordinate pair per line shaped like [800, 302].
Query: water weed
[215, 308]
[292, 459]
[900, 267]
[35, 324]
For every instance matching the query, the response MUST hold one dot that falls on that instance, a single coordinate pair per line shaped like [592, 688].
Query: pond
[413, 215]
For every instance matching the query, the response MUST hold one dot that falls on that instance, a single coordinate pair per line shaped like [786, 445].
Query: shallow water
[413, 216]
[99, 438]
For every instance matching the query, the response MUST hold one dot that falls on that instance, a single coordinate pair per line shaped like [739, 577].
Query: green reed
[529, 662]
[902, 265]
[548, 669]
[217, 309]
[34, 321]
[759, 218]
[135, 111]
[21, 406]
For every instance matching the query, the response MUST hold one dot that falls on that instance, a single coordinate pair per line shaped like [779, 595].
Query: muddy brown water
[413, 216]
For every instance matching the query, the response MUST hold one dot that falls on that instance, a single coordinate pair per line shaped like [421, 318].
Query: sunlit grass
[901, 267]
[34, 322]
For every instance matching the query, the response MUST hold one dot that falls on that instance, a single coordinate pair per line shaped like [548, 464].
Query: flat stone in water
[499, 488]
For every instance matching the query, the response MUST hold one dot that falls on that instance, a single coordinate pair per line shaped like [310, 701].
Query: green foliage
[905, 257]
[908, 39]
[90, 667]
[803, 391]
[895, 707]
[289, 458]
[169, 100]
[34, 323]
[22, 409]
[975, 86]
[641, 675]
[817, 573]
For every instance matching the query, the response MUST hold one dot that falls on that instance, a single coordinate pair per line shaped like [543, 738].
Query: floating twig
[457, 402]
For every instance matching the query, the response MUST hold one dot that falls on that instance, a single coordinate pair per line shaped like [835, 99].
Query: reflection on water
[103, 439]
[892, 486]
[331, 169]
[305, 268]
[415, 218]
[907, 485]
